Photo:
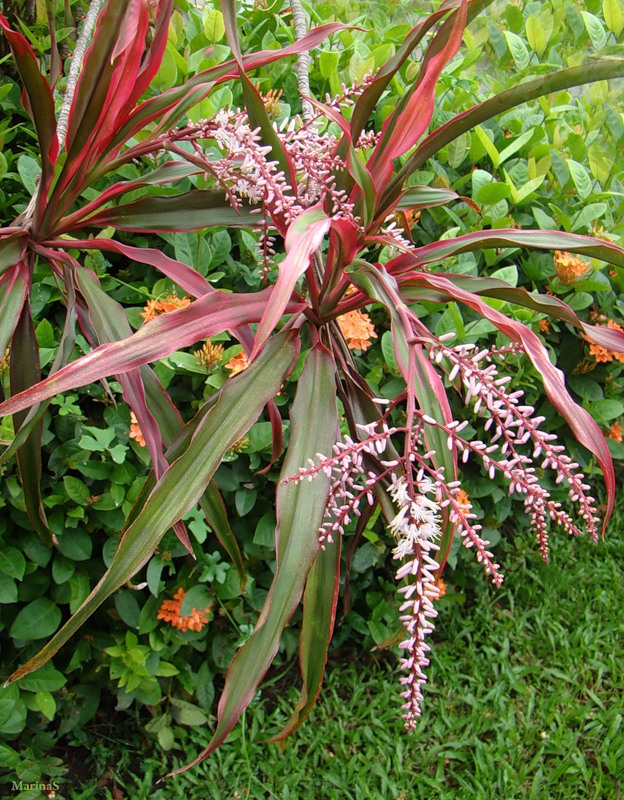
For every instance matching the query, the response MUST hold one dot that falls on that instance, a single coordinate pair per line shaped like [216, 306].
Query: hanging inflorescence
[427, 499]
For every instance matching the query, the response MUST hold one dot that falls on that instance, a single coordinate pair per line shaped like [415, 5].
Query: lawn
[524, 700]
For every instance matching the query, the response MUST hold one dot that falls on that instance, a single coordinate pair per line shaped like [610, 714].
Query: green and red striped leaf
[209, 315]
[40, 103]
[507, 237]
[191, 211]
[24, 371]
[319, 614]
[300, 509]
[404, 127]
[413, 289]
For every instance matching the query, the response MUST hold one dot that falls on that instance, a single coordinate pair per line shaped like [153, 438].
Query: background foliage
[553, 163]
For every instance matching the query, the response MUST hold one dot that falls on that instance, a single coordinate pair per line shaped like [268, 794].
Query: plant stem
[76, 64]
[303, 59]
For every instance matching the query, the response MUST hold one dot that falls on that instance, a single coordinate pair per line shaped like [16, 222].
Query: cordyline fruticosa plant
[328, 199]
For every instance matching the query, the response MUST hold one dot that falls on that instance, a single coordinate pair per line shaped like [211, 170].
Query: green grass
[524, 701]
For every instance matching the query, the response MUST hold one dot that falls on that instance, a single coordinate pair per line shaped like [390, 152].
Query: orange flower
[271, 102]
[357, 329]
[237, 363]
[463, 499]
[155, 308]
[170, 612]
[615, 432]
[600, 353]
[570, 269]
[441, 587]
[135, 431]
[544, 325]
[209, 355]
[600, 233]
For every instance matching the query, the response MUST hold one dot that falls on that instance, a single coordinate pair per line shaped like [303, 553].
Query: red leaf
[41, 102]
[204, 318]
[304, 236]
[406, 125]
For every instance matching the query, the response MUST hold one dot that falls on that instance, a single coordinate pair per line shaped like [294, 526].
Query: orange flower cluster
[155, 308]
[135, 431]
[544, 325]
[600, 233]
[600, 353]
[463, 499]
[615, 432]
[441, 587]
[170, 612]
[209, 355]
[570, 269]
[237, 363]
[357, 329]
[271, 102]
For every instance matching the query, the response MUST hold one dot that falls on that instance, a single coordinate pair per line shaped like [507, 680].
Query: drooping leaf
[239, 404]
[319, 614]
[300, 508]
[158, 338]
[509, 237]
[413, 289]
[580, 421]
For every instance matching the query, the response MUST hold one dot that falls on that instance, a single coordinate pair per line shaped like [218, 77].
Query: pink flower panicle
[416, 528]
[515, 425]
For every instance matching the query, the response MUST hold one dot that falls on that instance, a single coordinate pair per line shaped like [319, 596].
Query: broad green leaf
[492, 193]
[535, 34]
[612, 11]
[29, 171]
[12, 562]
[77, 490]
[516, 145]
[605, 411]
[457, 150]
[328, 61]
[46, 704]
[600, 164]
[488, 144]
[580, 178]
[214, 27]
[240, 402]
[300, 509]
[595, 30]
[47, 679]
[167, 74]
[38, 619]
[518, 50]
